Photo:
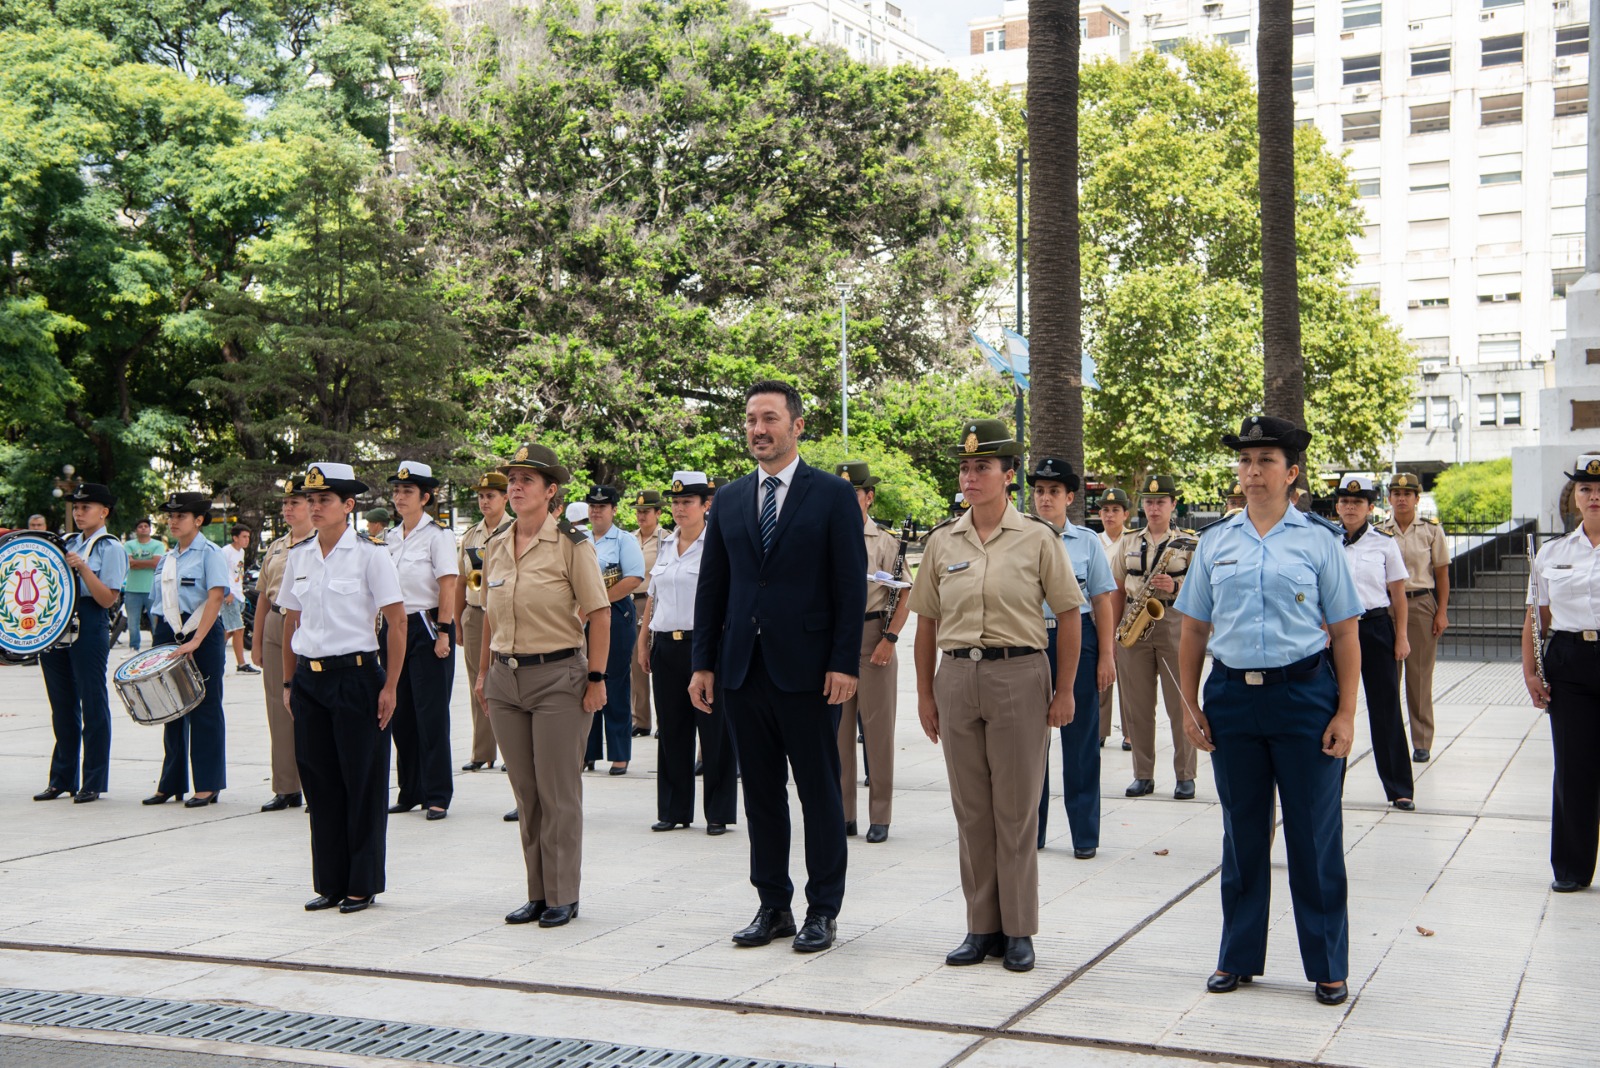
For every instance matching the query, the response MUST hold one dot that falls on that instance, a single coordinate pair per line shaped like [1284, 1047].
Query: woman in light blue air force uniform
[1277, 715]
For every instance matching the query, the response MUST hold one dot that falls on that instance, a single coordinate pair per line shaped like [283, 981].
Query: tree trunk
[1054, 296]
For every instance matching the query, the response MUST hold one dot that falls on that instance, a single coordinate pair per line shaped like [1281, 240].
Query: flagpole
[844, 366]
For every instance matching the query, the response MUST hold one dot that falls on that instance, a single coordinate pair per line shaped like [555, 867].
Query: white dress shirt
[786, 478]
[672, 584]
[421, 558]
[1568, 570]
[1375, 561]
[1110, 543]
[339, 595]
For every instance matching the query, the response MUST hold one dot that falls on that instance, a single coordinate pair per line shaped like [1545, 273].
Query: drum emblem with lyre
[38, 593]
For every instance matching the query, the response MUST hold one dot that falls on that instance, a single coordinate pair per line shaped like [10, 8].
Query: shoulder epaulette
[1385, 533]
[1431, 520]
[1186, 530]
[368, 538]
[1326, 524]
[938, 527]
[1042, 519]
[881, 525]
[573, 534]
[507, 525]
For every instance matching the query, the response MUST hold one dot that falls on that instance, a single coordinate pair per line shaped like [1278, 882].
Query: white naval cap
[577, 512]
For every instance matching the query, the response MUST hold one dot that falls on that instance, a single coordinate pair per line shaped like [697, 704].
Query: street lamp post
[844, 365]
[65, 486]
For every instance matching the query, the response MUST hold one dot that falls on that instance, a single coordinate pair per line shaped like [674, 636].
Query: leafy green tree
[906, 491]
[1172, 273]
[1474, 493]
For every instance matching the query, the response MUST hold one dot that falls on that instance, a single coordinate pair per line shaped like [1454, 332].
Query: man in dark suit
[777, 632]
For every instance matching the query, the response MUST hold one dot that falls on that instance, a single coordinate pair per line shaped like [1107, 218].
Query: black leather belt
[1374, 613]
[1300, 669]
[338, 663]
[672, 635]
[474, 607]
[1010, 653]
[1412, 595]
[1577, 635]
[875, 615]
[517, 660]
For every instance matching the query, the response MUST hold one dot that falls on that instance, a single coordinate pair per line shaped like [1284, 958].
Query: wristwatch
[597, 676]
[890, 636]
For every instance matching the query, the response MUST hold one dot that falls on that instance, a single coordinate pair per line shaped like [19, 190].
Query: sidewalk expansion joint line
[1511, 1014]
[125, 837]
[979, 1032]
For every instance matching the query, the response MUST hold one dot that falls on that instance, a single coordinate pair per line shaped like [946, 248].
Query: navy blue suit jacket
[806, 598]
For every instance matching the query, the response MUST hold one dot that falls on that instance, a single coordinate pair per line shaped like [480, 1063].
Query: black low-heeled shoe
[438, 813]
[159, 798]
[280, 802]
[617, 769]
[1019, 954]
[395, 810]
[50, 794]
[320, 902]
[975, 949]
[350, 904]
[558, 915]
[715, 829]
[526, 913]
[83, 797]
[1226, 982]
[201, 802]
[666, 825]
[1405, 804]
[1332, 993]
[510, 817]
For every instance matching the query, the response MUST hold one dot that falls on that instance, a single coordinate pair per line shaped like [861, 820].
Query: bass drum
[159, 685]
[38, 595]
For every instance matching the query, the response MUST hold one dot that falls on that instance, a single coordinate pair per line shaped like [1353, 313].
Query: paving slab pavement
[124, 892]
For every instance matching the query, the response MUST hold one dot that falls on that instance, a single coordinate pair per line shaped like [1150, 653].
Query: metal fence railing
[1488, 588]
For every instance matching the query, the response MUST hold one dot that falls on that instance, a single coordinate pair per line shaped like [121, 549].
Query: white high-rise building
[870, 30]
[998, 44]
[1463, 123]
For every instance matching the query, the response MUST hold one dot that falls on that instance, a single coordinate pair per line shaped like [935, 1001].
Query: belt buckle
[316, 665]
[974, 654]
[1254, 678]
[677, 635]
[511, 662]
[1591, 635]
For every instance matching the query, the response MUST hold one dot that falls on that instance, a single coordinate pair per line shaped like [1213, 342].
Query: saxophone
[1144, 612]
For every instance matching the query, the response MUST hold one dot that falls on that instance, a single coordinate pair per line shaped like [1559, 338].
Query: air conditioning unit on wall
[1431, 367]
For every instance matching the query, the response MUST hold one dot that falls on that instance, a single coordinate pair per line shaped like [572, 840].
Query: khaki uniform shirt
[1139, 553]
[1422, 545]
[537, 602]
[882, 548]
[651, 547]
[992, 595]
[475, 538]
[273, 563]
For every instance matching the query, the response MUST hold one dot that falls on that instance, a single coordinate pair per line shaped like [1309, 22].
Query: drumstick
[1187, 707]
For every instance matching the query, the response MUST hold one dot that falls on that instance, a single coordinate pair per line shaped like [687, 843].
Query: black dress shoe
[617, 769]
[1083, 854]
[641, 732]
[510, 817]
[849, 828]
[1566, 886]
[1019, 954]
[1140, 787]
[350, 904]
[666, 825]
[769, 923]
[1184, 791]
[588, 765]
[878, 832]
[201, 802]
[280, 802]
[975, 949]
[1332, 993]
[438, 813]
[558, 915]
[477, 765]
[395, 810]
[527, 913]
[1226, 982]
[54, 792]
[816, 934]
[1127, 746]
[159, 798]
[1405, 804]
[1418, 756]
[83, 797]
[320, 902]
[715, 829]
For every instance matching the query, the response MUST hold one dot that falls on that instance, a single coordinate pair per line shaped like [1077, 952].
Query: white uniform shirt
[338, 596]
[785, 480]
[672, 584]
[1568, 570]
[1375, 561]
[421, 558]
[1110, 543]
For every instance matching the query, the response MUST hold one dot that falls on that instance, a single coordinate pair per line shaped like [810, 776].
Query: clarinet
[1533, 615]
[908, 534]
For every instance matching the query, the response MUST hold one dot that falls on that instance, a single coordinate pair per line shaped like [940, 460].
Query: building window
[1305, 22]
[1304, 76]
[1367, 185]
[1419, 413]
[1504, 169]
[1361, 69]
[1499, 298]
[1503, 110]
[1430, 118]
[1430, 177]
[1359, 13]
[994, 40]
[1487, 4]
[1561, 279]
[1440, 409]
[1430, 61]
[1572, 40]
[1083, 28]
[1486, 409]
[1500, 51]
[1361, 126]
[1234, 37]
[1170, 44]
[1511, 410]
[1499, 348]
[1572, 100]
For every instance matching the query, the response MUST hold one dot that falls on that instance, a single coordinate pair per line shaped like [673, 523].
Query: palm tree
[1055, 298]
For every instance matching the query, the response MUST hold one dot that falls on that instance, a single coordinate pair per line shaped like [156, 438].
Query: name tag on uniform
[1561, 567]
[962, 566]
[186, 582]
[1219, 563]
[497, 583]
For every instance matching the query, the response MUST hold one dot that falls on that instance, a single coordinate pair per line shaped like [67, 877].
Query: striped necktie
[769, 512]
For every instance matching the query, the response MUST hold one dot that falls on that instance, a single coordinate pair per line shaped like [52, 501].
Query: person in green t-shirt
[144, 556]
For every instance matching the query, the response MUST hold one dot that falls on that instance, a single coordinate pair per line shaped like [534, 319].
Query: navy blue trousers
[198, 740]
[679, 724]
[1269, 738]
[616, 719]
[1080, 747]
[80, 706]
[421, 723]
[1575, 735]
[1380, 678]
[774, 731]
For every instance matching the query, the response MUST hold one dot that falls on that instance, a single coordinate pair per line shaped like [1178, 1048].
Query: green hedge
[1474, 493]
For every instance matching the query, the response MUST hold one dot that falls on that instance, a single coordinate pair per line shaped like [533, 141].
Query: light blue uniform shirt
[1266, 598]
[202, 567]
[108, 559]
[1089, 566]
[617, 548]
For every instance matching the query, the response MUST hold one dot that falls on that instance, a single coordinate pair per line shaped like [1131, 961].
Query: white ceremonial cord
[1187, 706]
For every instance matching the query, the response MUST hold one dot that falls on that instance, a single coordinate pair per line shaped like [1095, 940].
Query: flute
[1533, 614]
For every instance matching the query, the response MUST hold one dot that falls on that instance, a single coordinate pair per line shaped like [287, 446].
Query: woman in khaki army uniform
[1427, 560]
[980, 596]
[538, 680]
[266, 647]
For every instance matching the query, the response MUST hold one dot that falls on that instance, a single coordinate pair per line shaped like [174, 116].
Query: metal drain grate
[345, 1034]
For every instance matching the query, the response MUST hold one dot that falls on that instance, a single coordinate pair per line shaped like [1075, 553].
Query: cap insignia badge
[522, 454]
[1155, 486]
[971, 444]
[1354, 485]
[314, 479]
[1593, 468]
[677, 485]
[405, 472]
[1255, 430]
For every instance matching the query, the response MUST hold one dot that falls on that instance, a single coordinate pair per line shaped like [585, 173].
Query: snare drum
[159, 685]
[38, 594]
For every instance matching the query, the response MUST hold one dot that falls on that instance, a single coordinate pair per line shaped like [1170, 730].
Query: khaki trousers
[280, 725]
[641, 681]
[1419, 667]
[876, 700]
[472, 642]
[1137, 670]
[542, 728]
[993, 730]
[1106, 700]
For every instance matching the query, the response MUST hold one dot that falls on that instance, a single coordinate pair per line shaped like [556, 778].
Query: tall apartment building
[870, 30]
[999, 43]
[1463, 123]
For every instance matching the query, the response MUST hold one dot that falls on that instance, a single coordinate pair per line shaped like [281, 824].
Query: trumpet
[475, 576]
